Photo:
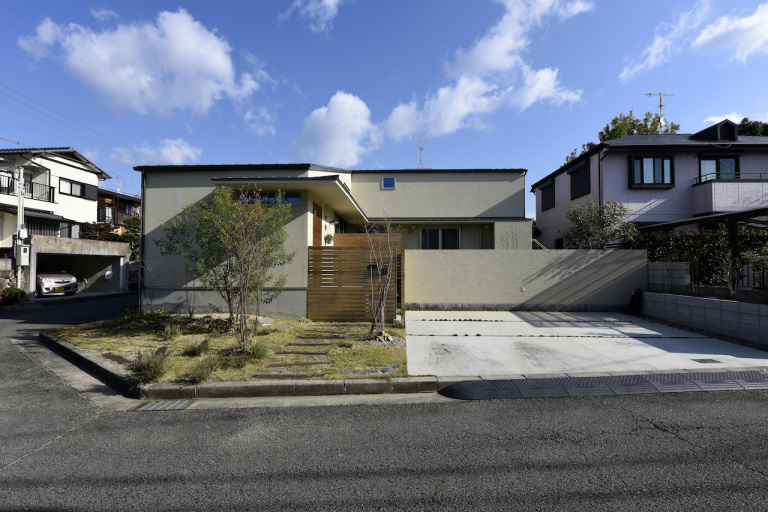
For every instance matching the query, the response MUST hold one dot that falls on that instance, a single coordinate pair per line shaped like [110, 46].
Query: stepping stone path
[308, 353]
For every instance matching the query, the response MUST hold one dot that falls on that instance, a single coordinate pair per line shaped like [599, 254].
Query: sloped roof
[66, 153]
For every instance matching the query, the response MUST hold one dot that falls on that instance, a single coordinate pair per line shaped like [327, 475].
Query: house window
[388, 183]
[548, 195]
[445, 238]
[579, 181]
[71, 188]
[651, 172]
[270, 197]
[719, 167]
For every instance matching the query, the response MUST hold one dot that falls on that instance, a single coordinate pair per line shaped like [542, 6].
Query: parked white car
[56, 282]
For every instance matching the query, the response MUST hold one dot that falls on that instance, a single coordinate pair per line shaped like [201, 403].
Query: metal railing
[36, 191]
[731, 176]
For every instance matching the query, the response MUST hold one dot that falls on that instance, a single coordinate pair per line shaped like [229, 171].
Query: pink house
[659, 178]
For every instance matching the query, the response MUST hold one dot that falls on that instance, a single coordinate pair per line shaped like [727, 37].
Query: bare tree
[383, 252]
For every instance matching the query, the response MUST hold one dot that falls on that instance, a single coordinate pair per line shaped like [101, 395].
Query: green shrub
[196, 349]
[202, 370]
[171, 332]
[259, 351]
[149, 365]
[11, 295]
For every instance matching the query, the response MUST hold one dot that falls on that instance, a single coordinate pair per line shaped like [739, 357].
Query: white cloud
[746, 36]
[103, 14]
[172, 152]
[736, 117]
[337, 134]
[733, 116]
[260, 121]
[320, 13]
[667, 41]
[490, 75]
[174, 63]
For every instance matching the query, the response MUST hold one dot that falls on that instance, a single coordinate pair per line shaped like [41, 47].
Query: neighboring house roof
[720, 136]
[69, 153]
[121, 195]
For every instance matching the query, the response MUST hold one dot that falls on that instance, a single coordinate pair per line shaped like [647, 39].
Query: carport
[499, 344]
[103, 264]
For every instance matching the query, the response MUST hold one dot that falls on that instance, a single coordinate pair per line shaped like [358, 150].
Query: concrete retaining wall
[745, 320]
[597, 280]
[669, 277]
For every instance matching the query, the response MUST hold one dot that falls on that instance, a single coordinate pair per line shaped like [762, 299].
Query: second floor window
[71, 188]
[719, 167]
[656, 171]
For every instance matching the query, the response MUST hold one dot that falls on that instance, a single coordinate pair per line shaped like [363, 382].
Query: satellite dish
[663, 121]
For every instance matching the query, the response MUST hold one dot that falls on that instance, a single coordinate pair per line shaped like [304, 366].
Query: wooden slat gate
[339, 280]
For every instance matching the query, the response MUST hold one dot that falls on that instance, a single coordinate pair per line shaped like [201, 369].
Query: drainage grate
[165, 405]
[706, 361]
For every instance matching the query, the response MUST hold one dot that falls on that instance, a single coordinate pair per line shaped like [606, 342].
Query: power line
[94, 137]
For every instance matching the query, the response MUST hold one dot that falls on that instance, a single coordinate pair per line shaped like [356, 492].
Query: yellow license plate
[59, 289]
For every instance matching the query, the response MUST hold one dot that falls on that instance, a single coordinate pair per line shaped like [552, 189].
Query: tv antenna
[421, 148]
[661, 104]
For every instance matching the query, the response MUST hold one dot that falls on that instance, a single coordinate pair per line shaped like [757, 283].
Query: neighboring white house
[436, 209]
[60, 189]
[659, 178]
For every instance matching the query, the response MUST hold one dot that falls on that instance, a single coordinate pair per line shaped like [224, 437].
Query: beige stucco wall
[166, 194]
[523, 279]
[435, 194]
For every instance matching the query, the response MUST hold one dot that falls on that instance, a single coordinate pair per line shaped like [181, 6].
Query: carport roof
[35, 214]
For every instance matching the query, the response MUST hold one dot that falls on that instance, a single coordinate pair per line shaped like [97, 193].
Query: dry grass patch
[203, 349]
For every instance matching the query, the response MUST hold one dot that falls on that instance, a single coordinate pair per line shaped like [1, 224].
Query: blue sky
[349, 83]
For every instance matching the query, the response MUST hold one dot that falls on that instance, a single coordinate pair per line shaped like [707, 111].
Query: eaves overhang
[327, 188]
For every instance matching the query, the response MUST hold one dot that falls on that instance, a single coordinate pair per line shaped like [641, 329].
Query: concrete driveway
[496, 344]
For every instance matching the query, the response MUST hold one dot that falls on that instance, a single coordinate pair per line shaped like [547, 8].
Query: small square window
[388, 183]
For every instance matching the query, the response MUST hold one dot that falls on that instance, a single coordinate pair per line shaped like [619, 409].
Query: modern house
[659, 178]
[60, 189]
[435, 209]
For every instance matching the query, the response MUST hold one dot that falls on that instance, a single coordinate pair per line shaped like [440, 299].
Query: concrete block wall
[744, 320]
[669, 277]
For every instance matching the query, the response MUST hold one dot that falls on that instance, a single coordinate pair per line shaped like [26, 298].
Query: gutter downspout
[600, 185]
[141, 242]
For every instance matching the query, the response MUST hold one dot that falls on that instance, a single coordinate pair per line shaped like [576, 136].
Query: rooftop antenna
[421, 148]
[661, 105]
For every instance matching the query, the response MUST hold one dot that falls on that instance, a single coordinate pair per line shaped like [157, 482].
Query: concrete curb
[113, 375]
[121, 379]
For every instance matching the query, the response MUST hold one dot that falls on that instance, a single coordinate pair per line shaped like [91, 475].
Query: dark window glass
[450, 239]
[719, 167]
[651, 172]
[548, 196]
[388, 183]
[580, 182]
[430, 238]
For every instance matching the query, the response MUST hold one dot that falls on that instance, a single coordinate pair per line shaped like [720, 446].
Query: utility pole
[21, 231]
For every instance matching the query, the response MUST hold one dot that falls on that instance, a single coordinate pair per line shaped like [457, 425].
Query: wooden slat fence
[339, 281]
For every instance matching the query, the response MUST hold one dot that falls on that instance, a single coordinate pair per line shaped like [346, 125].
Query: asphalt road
[65, 446]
